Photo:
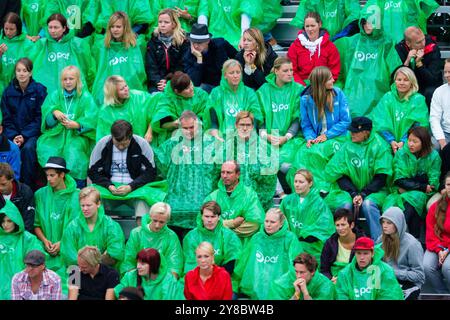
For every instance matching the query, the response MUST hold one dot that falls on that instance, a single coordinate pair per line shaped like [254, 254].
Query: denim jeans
[435, 274]
[372, 214]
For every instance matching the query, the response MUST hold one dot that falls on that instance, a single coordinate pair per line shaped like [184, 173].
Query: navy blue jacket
[210, 71]
[22, 110]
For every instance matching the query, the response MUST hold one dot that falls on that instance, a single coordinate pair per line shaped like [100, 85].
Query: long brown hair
[441, 210]
[321, 95]
[391, 246]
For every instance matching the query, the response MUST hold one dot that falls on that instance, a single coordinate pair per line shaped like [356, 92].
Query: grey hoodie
[409, 266]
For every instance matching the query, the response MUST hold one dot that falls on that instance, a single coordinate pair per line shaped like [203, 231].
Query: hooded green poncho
[165, 241]
[32, 13]
[264, 259]
[376, 282]
[360, 162]
[74, 145]
[13, 249]
[107, 236]
[226, 244]
[312, 217]
[406, 165]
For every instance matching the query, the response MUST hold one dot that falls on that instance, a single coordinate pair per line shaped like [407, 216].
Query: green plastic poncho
[13, 249]
[259, 162]
[164, 287]
[226, 244]
[360, 162]
[264, 259]
[18, 47]
[335, 14]
[107, 236]
[172, 105]
[77, 12]
[165, 241]
[54, 212]
[51, 57]
[73, 145]
[190, 169]
[406, 165]
[376, 282]
[319, 287]
[396, 16]
[228, 103]
[191, 6]
[312, 217]
[137, 110]
[32, 12]
[367, 62]
[118, 60]
[280, 107]
[264, 13]
[398, 115]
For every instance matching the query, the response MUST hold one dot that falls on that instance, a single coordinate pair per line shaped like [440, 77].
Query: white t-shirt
[119, 169]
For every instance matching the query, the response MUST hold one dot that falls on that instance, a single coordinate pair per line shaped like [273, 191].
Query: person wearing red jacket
[437, 240]
[313, 48]
[208, 281]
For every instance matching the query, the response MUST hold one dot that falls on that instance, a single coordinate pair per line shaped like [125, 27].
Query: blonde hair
[91, 255]
[179, 35]
[321, 96]
[76, 73]
[278, 212]
[110, 90]
[279, 62]
[205, 246]
[229, 64]
[261, 52]
[411, 77]
[161, 208]
[128, 38]
[88, 191]
[243, 115]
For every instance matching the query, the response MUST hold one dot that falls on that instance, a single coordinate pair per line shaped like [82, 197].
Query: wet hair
[180, 81]
[59, 17]
[261, 52]
[212, 206]
[188, 114]
[6, 171]
[409, 73]
[278, 212]
[205, 246]
[121, 130]
[425, 138]
[230, 63]
[308, 260]
[87, 191]
[91, 255]
[28, 64]
[13, 18]
[153, 258]
[237, 166]
[344, 213]
[244, 114]
[111, 96]
[279, 62]
[77, 75]
[161, 208]
[321, 95]
[178, 35]
[305, 173]
[128, 38]
[441, 210]
[315, 16]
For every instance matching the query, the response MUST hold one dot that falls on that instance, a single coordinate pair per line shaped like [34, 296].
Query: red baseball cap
[364, 243]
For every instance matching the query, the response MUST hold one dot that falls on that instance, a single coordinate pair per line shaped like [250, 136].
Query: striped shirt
[50, 288]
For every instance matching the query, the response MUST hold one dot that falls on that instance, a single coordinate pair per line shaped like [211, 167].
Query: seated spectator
[305, 282]
[165, 50]
[131, 293]
[313, 48]
[206, 56]
[437, 240]
[185, 11]
[16, 242]
[308, 215]
[119, 52]
[400, 109]
[207, 281]
[187, 161]
[226, 244]
[179, 95]
[13, 44]
[96, 281]
[69, 119]
[338, 249]
[268, 253]
[440, 111]
[402, 252]
[416, 178]
[423, 55]
[21, 109]
[241, 210]
[151, 277]
[19, 194]
[281, 123]
[123, 168]
[36, 282]
[122, 103]
[359, 172]
[227, 100]
[325, 118]
[154, 233]
[93, 228]
[256, 58]
[10, 154]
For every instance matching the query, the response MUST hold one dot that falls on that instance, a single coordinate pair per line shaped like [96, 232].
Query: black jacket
[257, 78]
[160, 60]
[210, 71]
[330, 251]
[140, 168]
[23, 199]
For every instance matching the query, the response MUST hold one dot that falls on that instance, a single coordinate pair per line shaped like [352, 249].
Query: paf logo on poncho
[53, 56]
[365, 56]
[118, 60]
[34, 7]
[8, 60]
[391, 4]
[74, 17]
[356, 162]
[399, 115]
[232, 109]
[296, 224]
[330, 14]
[227, 214]
[265, 259]
[279, 107]
[225, 8]
[5, 249]
[55, 216]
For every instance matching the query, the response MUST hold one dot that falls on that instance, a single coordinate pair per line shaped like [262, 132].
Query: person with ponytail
[437, 240]
[402, 252]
